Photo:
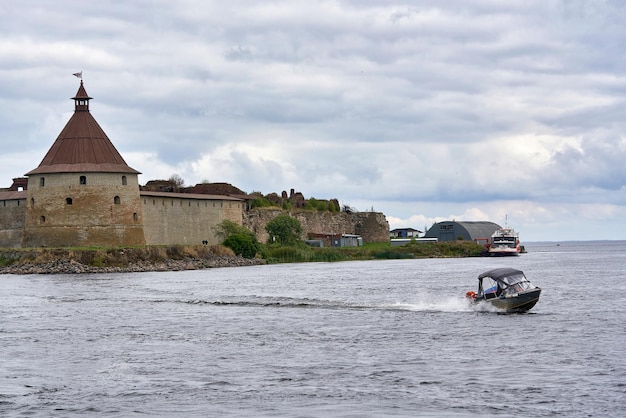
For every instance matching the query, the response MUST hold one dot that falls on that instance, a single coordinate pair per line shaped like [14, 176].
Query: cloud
[426, 110]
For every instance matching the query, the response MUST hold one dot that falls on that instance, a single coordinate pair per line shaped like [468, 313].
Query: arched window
[116, 200]
[68, 200]
[83, 180]
[135, 217]
[42, 181]
[42, 219]
[124, 181]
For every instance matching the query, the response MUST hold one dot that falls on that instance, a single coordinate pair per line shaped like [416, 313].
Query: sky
[485, 110]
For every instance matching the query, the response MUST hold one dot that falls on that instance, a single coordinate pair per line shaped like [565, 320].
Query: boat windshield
[487, 287]
[504, 240]
[515, 284]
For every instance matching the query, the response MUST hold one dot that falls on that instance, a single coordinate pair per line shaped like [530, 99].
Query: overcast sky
[423, 110]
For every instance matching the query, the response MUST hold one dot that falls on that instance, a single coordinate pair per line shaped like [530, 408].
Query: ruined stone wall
[12, 215]
[372, 226]
[102, 210]
[178, 220]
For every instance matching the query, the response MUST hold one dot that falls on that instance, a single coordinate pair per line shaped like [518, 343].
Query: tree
[284, 229]
[177, 180]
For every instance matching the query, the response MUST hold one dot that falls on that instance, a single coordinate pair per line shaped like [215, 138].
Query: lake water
[349, 339]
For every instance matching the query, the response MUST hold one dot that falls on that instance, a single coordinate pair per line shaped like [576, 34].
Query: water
[378, 338]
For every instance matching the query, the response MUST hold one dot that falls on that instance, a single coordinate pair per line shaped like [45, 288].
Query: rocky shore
[60, 261]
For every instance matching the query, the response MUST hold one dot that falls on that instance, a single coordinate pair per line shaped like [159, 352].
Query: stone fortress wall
[190, 220]
[179, 219]
[84, 209]
[12, 216]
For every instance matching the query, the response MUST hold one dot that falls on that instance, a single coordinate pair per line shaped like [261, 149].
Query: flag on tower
[79, 75]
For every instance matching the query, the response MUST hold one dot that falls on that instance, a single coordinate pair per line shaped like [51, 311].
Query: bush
[242, 244]
[261, 202]
[238, 238]
[226, 228]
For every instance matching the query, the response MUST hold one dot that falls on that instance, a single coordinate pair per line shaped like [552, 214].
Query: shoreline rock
[68, 266]
[59, 261]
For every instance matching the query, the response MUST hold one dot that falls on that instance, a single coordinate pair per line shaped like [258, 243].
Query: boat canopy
[502, 281]
[500, 273]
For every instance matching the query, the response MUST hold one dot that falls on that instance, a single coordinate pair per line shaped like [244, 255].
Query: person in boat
[492, 289]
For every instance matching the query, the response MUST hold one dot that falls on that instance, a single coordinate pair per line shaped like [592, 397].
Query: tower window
[68, 200]
[135, 217]
[32, 202]
[42, 181]
[124, 181]
[116, 200]
[42, 219]
[83, 180]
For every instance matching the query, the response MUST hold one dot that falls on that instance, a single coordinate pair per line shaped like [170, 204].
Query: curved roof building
[465, 230]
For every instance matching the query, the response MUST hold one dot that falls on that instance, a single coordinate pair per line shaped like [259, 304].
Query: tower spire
[81, 100]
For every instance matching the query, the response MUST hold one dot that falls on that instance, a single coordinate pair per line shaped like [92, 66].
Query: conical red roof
[82, 146]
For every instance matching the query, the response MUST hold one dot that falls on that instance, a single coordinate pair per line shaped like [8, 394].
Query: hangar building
[476, 231]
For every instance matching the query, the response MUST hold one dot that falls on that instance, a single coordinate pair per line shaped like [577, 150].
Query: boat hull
[522, 302]
[504, 251]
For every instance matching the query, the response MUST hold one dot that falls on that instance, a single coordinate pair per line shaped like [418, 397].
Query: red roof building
[82, 146]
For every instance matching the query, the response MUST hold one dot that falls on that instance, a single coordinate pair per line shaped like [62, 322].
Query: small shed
[347, 240]
[404, 233]
[335, 240]
[466, 230]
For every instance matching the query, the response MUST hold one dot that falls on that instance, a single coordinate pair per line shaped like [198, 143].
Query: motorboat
[504, 241]
[506, 289]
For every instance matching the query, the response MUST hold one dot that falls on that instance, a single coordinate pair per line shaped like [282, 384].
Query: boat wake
[451, 304]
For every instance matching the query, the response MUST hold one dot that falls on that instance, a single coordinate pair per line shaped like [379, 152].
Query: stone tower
[83, 193]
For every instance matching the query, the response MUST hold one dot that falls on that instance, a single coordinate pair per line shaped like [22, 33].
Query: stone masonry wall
[12, 214]
[102, 210]
[372, 226]
[176, 220]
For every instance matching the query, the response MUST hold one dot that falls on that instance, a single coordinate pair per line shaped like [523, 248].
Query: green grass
[273, 254]
[371, 251]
